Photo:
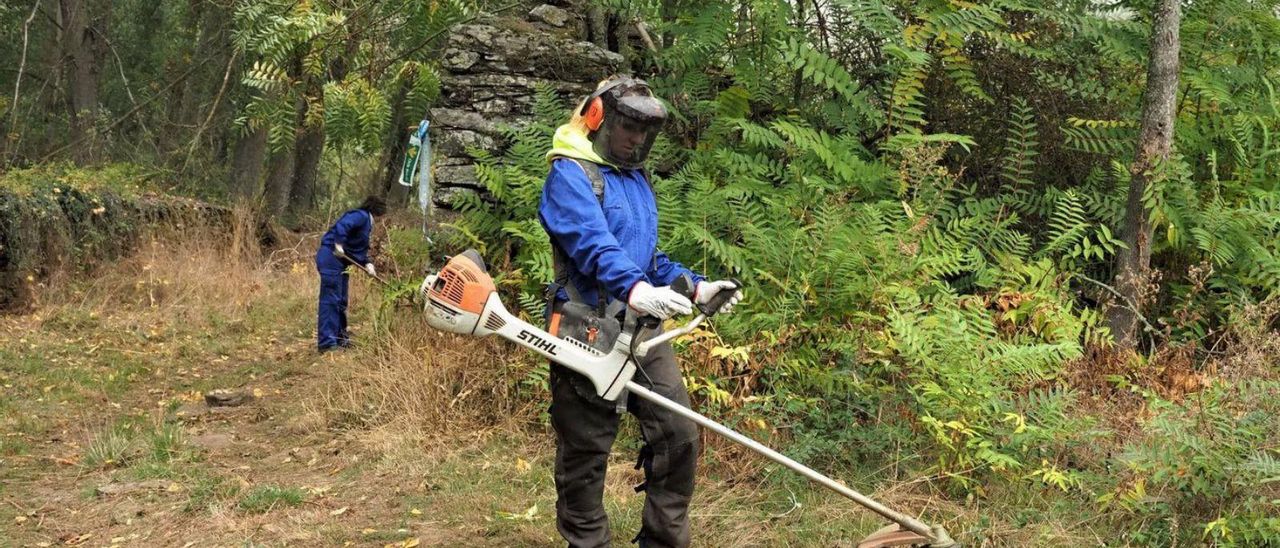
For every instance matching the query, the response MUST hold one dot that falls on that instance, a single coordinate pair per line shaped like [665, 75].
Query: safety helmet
[623, 118]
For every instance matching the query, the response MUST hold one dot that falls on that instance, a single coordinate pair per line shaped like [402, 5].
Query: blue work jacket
[613, 244]
[352, 231]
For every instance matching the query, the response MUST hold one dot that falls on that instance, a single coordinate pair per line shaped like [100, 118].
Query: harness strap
[560, 259]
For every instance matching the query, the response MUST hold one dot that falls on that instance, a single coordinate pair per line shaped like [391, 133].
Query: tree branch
[129, 114]
[1125, 302]
[195, 141]
[17, 83]
[127, 90]
[644, 35]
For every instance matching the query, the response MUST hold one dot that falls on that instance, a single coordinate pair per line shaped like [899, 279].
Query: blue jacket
[614, 243]
[352, 231]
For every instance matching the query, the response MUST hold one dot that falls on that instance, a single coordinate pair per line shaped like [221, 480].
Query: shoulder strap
[592, 170]
[560, 260]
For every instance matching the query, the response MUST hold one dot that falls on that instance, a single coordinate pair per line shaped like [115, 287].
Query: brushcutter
[461, 298]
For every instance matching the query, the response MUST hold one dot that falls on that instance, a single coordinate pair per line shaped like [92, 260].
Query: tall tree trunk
[247, 159]
[83, 47]
[1155, 139]
[310, 144]
[279, 182]
[309, 148]
[283, 164]
[393, 154]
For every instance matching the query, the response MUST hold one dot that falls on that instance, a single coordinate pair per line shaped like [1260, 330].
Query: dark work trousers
[586, 425]
[331, 312]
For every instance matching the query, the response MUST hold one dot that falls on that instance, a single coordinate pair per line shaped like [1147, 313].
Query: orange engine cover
[463, 283]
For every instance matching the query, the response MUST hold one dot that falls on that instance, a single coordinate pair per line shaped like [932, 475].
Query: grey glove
[708, 290]
[659, 302]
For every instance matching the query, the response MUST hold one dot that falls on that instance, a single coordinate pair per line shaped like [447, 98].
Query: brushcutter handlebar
[684, 285]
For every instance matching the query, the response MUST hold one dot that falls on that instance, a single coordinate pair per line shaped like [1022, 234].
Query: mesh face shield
[632, 120]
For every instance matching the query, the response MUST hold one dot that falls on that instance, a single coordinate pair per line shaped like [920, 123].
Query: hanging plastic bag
[424, 168]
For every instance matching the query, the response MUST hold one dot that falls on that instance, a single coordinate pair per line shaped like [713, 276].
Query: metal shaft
[904, 520]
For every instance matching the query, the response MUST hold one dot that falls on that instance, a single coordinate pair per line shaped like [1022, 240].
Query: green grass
[267, 497]
[109, 448]
[208, 491]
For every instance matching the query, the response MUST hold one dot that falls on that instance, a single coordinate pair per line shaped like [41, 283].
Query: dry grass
[454, 424]
[415, 385]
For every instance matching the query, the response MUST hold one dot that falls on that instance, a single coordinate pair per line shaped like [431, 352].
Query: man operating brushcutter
[599, 209]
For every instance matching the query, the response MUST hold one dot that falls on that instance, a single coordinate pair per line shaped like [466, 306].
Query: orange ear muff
[594, 115]
[593, 109]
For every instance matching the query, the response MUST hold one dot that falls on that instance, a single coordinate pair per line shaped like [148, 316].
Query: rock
[113, 489]
[212, 442]
[227, 398]
[493, 68]
[450, 176]
[444, 197]
[455, 143]
[442, 119]
[459, 59]
[550, 15]
[534, 54]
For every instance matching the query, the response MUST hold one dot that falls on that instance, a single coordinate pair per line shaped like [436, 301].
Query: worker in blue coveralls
[346, 243]
[599, 209]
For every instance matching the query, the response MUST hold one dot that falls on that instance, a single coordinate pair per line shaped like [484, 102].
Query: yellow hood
[571, 141]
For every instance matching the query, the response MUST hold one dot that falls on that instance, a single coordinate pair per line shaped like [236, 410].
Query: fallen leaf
[368, 531]
[339, 511]
[20, 519]
[416, 512]
[411, 543]
[78, 540]
[522, 465]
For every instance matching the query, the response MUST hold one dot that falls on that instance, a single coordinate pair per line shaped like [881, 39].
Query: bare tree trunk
[283, 164]
[389, 186]
[247, 159]
[279, 182]
[83, 47]
[308, 149]
[311, 142]
[1155, 139]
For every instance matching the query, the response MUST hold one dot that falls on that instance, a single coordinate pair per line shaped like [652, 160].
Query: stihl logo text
[538, 342]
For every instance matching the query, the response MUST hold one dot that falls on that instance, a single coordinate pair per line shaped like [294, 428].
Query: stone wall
[490, 69]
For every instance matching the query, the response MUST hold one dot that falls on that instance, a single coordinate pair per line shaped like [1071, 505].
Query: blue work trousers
[331, 314]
